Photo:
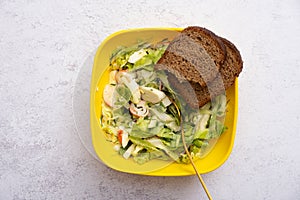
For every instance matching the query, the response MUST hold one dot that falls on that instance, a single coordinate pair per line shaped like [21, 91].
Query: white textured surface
[43, 45]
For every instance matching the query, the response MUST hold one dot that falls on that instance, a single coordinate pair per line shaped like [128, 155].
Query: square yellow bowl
[104, 149]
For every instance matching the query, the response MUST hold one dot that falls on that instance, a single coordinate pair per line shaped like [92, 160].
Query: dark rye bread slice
[195, 55]
[229, 71]
[196, 95]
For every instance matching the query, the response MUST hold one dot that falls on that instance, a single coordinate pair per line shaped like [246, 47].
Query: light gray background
[44, 46]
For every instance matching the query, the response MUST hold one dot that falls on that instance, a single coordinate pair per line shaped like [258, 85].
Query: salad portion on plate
[143, 117]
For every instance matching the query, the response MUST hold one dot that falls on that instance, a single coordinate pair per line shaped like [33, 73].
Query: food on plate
[143, 113]
[158, 91]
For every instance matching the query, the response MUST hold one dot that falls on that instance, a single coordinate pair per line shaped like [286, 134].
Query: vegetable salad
[142, 116]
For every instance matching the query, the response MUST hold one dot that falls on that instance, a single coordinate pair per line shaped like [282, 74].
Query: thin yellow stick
[190, 157]
[194, 166]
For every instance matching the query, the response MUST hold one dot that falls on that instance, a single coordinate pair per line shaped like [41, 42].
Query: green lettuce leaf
[141, 129]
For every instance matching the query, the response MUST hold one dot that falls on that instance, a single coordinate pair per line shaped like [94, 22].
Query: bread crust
[199, 91]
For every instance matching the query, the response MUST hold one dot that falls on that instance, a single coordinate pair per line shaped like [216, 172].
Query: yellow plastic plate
[104, 149]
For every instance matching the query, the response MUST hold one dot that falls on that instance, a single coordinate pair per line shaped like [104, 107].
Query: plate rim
[159, 171]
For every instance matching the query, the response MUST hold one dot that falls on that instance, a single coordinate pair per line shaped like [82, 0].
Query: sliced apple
[137, 56]
[152, 95]
[108, 94]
